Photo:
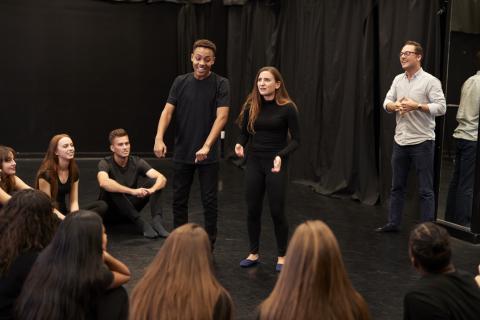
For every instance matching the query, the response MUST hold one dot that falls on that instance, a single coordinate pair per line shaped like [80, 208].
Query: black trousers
[97, 206]
[130, 206]
[260, 178]
[182, 181]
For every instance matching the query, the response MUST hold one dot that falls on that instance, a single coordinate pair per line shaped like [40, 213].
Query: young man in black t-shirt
[442, 292]
[200, 102]
[119, 179]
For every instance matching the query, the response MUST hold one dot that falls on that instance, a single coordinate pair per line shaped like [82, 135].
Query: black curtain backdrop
[85, 67]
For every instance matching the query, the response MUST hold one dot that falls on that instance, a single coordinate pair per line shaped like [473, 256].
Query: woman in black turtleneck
[268, 116]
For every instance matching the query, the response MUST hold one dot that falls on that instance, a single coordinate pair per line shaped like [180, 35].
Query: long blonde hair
[253, 102]
[179, 283]
[314, 283]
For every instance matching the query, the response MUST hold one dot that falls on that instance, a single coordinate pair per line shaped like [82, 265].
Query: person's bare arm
[160, 149]
[105, 182]
[74, 197]
[121, 273]
[218, 125]
[160, 182]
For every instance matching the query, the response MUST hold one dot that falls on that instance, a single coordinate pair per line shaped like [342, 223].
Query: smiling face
[9, 166]
[409, 59]
[202, 61]
[267, 85]
[120, 147]
[65, 149]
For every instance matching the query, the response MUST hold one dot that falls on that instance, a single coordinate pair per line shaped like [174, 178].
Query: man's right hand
[140, 192]
[160, 149]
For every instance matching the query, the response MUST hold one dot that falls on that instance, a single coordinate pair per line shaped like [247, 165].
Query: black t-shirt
[443, 296]
[128, 175]
[196, 103]
[271, 130]
[63, 191]
[11, 283]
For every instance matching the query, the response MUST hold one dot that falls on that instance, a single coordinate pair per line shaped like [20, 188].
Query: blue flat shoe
[279, 267]
[247, 263]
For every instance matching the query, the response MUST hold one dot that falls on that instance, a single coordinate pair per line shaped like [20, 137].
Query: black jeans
[460, 192]
[130, 206]
[260, 178]
[182, 181]
[97, 206]
[421, 155]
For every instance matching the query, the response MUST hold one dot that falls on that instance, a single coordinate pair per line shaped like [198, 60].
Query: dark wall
[84, 67]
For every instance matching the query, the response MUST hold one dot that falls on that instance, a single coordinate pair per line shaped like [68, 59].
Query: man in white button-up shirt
[460, 193]
[416, 98]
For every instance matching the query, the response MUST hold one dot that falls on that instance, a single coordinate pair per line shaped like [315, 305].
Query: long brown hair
[27, 223]
[179, 283]
[253, 102]
[49, 166]
[7, 182]
[314, 283]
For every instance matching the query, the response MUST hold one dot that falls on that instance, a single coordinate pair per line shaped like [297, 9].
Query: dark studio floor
[378, 264]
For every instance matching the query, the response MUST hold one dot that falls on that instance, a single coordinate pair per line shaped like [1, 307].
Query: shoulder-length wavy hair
[27, 223]
[7, 182]
[254, 100]
[49, 166]
[314, 283]
[179, 283]
[69, 275]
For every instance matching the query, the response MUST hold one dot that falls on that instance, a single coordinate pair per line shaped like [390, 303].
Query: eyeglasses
[406, 53]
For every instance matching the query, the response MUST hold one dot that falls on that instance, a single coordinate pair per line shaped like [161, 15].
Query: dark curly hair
[429, 244]
[27, 222]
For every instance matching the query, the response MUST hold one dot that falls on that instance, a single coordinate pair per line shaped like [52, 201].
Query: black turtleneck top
[271, 127]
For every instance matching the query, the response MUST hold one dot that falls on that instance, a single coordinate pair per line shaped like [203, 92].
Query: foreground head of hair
[69, 275]
[314, 281]
[27, 223]
[429, 246]
[179, 283]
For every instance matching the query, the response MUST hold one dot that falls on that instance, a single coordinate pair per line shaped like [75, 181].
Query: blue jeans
[421, 155]
[460, 192]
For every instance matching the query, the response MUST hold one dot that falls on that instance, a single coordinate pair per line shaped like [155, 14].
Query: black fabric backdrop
[86, 66]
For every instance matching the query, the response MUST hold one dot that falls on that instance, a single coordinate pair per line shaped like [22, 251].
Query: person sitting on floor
[27, 225]
[9, 181]
[313, 284]
[443, 292]
[75, 277]
[180, 282]
[119, 179]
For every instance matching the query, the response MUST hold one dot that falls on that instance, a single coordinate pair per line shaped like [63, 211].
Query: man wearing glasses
[416, 98]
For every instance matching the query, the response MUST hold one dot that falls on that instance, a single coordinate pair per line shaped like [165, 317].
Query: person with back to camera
[75, 277]
[27, 225]
[267, 118]
[442, 292]
[199, 103]
[59, 177]
[119, 177]
[9, 181]
[314, 283]
[180, 282]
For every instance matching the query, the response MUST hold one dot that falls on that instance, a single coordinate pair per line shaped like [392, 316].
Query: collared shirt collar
[417, 74]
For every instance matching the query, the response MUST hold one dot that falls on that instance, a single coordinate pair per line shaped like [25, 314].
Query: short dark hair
[120, 132]
[418, 47]
[429, 244]
[204, 43]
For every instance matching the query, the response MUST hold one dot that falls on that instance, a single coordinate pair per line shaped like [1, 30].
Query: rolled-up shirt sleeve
[391, 94]
[436, 104]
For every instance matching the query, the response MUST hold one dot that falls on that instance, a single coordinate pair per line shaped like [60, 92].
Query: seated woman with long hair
[58, 177]
[27, 226]
[314, 283]
[72, 276]
[180, 283]
[9, 182]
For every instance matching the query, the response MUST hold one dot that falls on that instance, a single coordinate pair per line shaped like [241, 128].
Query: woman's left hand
[277, 164]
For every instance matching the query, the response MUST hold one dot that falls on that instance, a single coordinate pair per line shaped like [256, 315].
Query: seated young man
[442, 292]
[121, 187]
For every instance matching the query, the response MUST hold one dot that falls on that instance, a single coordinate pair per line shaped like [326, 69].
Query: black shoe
[388, 228]
[158, 226]
[146, 229]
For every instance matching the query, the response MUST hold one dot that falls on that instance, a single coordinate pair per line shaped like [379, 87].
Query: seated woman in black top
[267, 118]
[58, 177]
[27, 225]
[180, 283]
[72, 276]
[9, 182]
